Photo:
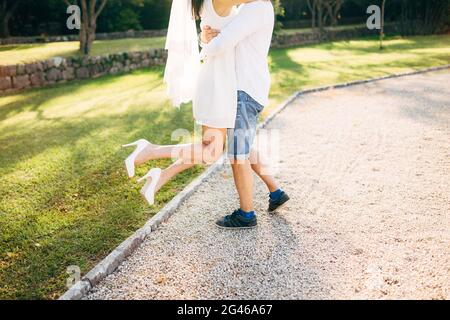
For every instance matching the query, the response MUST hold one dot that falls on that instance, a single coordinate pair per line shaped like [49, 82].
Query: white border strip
[116, 257]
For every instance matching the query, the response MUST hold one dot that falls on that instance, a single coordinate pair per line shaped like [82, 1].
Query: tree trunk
[321, 17]
[335, 13]
[333, 20]
[333, 8]
[83, 39]
[6, 32]
[4, 28]
[312, 8]
[87, 37]
[6, 15]
[382, 24]
[90, 13]
[337, 10]
[84, 27]
[314, 14]
[330, 10]
[90, 37]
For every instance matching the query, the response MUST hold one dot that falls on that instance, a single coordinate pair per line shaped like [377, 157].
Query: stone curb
[77, 291]
[109, 264]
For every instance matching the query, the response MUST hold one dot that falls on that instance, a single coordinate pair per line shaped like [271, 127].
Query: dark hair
[197, 6]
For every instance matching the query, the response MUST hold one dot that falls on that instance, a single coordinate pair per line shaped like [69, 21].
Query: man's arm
[251, 18]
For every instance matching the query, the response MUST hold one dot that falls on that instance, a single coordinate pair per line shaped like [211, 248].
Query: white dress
[215, 93]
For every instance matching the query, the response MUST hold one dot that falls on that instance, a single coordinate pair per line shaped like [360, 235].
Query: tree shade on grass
[64, 195]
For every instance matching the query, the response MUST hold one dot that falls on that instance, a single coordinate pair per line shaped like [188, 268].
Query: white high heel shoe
[129, 162]
[148, 190]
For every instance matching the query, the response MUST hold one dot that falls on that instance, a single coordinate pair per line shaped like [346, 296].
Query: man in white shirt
[250, 33]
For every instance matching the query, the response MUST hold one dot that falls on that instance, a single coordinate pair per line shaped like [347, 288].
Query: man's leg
[240, 140]
[244, 217]
[243, 178]
[277, 197]
[262, 171]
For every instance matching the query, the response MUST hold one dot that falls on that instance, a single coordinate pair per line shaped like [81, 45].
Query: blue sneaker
[278, 203]
[237, 221]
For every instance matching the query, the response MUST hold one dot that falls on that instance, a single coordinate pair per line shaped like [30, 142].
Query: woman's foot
[145, 151]
[130, 162]
[152, 185]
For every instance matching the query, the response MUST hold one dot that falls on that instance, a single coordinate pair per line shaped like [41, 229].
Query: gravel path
[368, 171]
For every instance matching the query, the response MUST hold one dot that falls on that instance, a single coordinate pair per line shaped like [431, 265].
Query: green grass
[25, 53]
[64, 195]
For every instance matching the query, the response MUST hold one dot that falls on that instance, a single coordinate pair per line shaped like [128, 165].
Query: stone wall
[303, 38]
[99, 36]
[284, 40]
[60, 70]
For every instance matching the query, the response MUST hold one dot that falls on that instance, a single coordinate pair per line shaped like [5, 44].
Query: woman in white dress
[211, 86]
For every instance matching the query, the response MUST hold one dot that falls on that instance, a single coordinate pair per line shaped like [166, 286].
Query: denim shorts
[241, 138]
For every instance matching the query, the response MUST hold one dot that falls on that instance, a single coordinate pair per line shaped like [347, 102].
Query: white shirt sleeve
[201, 43]
[251, 18]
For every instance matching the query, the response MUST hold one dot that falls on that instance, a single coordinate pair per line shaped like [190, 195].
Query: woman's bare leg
[171, 171]
[211, 149]
[190, 151]
[207, 152]
[213, 141]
